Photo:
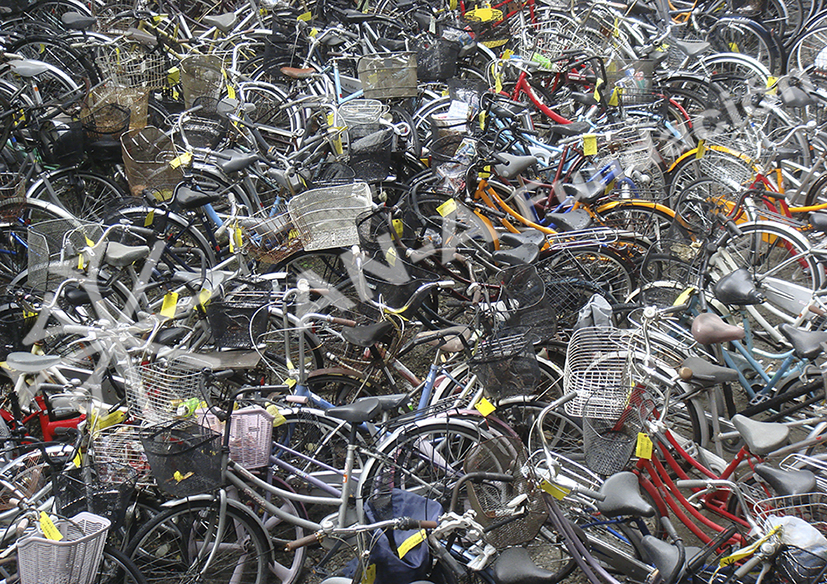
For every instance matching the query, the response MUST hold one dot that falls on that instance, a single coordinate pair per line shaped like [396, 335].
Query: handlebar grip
[342, 321]
[692, 484]
[669, 528]
[307, 540]
[144, 232]
[319, 291]
[428, 524]
[589, 493]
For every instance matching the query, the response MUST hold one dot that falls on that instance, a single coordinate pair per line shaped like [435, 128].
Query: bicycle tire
[117, 568]
[163, 549]
[82, 193]
[599, 265]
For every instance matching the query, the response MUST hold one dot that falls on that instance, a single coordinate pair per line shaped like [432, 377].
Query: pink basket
[251, 434]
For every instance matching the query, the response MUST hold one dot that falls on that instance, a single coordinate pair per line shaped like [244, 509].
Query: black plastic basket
[798, 566]
[107, 122]
[185, 457]
[506, 365]
[62, 142]
[370, 150]
[436, 59]
[331, 174]
[110, 487]
[236, 324]
[523, 296]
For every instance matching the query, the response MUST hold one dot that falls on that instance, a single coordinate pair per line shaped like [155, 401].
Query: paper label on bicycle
[589, 145]
[485, 407]
[447, 208]
[181, 477]
[390, 256]
[169, 304]
[701, 149]
[50, 530]
[747, 551]
[370, 574]
[278, 418]
[771, 89]
[684, 296]
[615, 98]
[204, 297]
[173, 76]
[305, 16]
[182, 160]
[149, 219]
[644, 446]
[557, 491]
[410, 543]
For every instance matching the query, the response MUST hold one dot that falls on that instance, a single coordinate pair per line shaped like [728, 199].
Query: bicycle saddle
[792, 96]
[573, 129]
[692, 48]
[28, 68]
[354, 16]
[665, 556]
[521, 255]
[223, 22]
[30, 363]
[120, 255]
[77, 21]
[787, 483]
[515, 566]
[807, 344]
[572, 221]
[390, 44]
[510, 165]
[236, 161]
[367, 334]
[360, 411]
[622, 492]
[297, 73]
[708, 329]
[709, 373]
[761, 437]
[188, 198]
[819, 221]
[738, 289]
[141, 37]
[529, 236]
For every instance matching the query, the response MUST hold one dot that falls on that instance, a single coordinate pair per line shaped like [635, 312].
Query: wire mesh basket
[185, 457]
[121, 444]
[155, 390]
[326, 218]
[506, 364]
[150, 162]
[131, 64]
[726, 165]
[807, 513]
[634, 81]
[106, 122]
[251, 433]
[106, 491]
[385, 75]
[53, 250]
[237, 322]
[523, 303]
[205, 129]
[369, 151]
[361, 111]
[505, 522]
[134, 99]
[201, 76]
[436, 59]
[271, 240]
[608, 443]
[75, 558]
[597, 368]
[676, 56]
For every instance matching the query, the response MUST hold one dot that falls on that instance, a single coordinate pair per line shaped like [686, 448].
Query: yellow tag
[150, 218]
[230, 92]
[80, 261]
[182, 160]
[684, 296]
[498, 83]
[390, 256]
[370, 574]
[482, 121]
[173, 76]
[49, 528]
[733, 46]
[644, 446]
[556, 491]
[337, 142]
[115, 417]
[278, 417]
[398, 226]
[771, 81]
[507, 54]
[616, 31]
[410, 543]
[447, 207]
[237, 235]
[589, 145]
[179, 477]
[290, 382]
[747, 551]
[204, 297]
[42, 48]
[305, 17]
[615, 98]
[485, 407]
[169, 304]
[76, 460]
[597, 89]
[701, 149]
[452, 5]
[314, 32]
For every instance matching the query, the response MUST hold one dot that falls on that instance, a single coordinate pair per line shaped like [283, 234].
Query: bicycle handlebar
[399, 523]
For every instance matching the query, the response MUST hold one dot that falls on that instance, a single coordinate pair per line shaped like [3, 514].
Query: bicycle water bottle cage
[622, 492]
[708, 329]
[708, 374]
[807, 344]
[738, 289]
[787, 483]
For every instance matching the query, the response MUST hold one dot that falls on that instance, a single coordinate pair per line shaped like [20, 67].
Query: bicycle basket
[369, 150]
[608, 443]
[236, 323]
[506, 364]
[15, 324]
[155, 390]
[505, 524]
[53, 250]
[131, 64]
[75, 558]
[273, 239]
[106, 494]
[106, 122]
[185, 457]
[121, 444]
[148, 156]
[136, 100]
[436, 59]
[326, 218]
[523, 303]
[205, 129]
[362, 111]
[201, 76]
[387, 75]
[251, 433]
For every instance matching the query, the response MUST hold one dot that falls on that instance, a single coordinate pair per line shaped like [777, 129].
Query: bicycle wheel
[700, 202]
[117, 568]
[58, 53]
[595, 264]
[175, 546]
[281, 125]
[82, 193]
[803, 53]
[645, 219]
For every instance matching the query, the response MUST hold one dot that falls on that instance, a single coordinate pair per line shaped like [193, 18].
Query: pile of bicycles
[411, 291]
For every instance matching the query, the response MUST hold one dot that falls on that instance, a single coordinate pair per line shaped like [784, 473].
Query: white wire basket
[362, 111]
[326, 218]
[155, 390]
[53, 250]
[132, 65]
[71, 560]
[251, 434]
[121, 443]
